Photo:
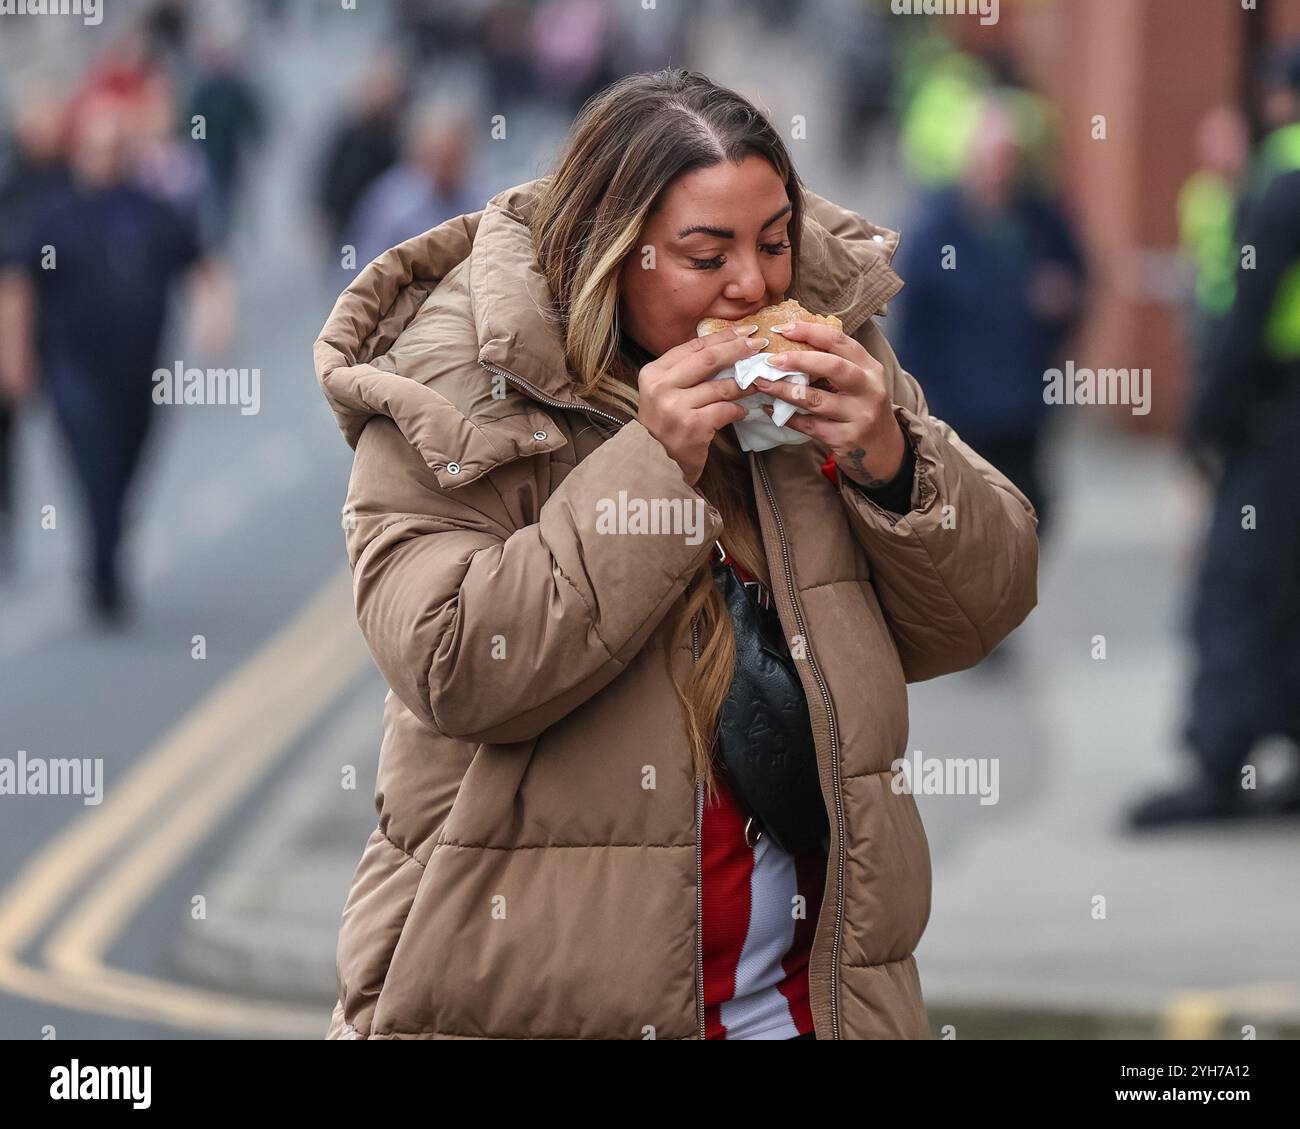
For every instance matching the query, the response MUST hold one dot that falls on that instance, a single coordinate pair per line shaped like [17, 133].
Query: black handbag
[764, 736]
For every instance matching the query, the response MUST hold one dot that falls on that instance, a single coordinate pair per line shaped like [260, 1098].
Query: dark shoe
[1198, 802]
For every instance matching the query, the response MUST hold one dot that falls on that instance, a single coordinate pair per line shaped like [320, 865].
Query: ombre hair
[630, 142]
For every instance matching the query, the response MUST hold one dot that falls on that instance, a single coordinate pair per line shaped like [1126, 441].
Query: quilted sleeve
[957, 572]
[489, 632]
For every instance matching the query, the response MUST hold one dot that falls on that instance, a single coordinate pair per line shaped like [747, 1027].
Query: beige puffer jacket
[534, 872]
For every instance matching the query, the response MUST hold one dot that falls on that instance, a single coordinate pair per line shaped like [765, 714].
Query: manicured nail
[744, 330]
[783, 328]
[756, 342]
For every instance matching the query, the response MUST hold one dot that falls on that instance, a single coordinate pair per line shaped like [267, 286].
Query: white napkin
[758, 431]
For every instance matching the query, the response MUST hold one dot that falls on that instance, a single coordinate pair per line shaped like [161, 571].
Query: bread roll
[768, 316]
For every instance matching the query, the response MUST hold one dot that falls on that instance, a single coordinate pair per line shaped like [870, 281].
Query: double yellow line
[159, 815]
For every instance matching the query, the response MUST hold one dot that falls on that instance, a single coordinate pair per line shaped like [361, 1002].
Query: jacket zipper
[699, 867]
[521, 383]
[835, 759]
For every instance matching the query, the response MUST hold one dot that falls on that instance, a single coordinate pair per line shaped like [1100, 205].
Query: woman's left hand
[848, 404]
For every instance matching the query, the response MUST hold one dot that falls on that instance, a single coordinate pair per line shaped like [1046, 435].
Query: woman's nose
[746, 283]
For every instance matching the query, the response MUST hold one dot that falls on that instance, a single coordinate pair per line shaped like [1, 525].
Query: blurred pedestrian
[572, 49]
[430, 184]
[995, 281]
[1246, 411]
[160, 161]
[97, 263]
[1207, 208]
[508, 64]
[363, 146]
[233, 121]
[31, 166]
[1207, 205]
[440, 33]
[864, 52]
[940, 93]
[166, 29]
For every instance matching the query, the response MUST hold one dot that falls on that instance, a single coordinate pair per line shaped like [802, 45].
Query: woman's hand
[848, 404]
[681, 404]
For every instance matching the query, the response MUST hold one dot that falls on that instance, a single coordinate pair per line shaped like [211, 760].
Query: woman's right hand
[681, 404]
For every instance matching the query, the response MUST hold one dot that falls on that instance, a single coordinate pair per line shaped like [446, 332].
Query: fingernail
[783, 328]
[756, 342]
[743, 330]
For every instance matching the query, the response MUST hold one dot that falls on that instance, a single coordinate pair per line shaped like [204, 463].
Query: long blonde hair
[628, 144]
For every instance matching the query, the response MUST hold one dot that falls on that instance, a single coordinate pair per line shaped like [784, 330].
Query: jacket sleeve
[489, 629]
[958, 571]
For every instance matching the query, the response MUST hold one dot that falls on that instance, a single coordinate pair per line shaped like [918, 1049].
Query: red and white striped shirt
[760, 909]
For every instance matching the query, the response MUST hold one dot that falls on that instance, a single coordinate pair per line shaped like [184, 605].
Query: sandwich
[759, 431]
[768, 316]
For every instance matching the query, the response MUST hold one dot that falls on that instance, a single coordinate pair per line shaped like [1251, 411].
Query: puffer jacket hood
[535, 868]
[844, 266]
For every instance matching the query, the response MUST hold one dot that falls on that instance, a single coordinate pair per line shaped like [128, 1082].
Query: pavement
[1048, 916]
[275, 899]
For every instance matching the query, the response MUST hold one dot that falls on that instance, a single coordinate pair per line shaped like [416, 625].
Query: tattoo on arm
[855, 458]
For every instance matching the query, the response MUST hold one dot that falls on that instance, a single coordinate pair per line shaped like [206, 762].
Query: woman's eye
[773, 249]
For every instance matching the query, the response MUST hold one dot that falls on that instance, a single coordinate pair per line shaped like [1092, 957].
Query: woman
[544, 861]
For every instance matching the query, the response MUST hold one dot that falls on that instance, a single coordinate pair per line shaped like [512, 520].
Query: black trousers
[104, 411]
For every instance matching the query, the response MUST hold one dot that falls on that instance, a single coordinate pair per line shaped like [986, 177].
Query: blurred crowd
[122, 188]
[997, 285]
[996, 279]
[402, 159]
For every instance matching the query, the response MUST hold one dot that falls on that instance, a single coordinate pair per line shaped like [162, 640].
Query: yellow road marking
[1193, 1015]
[180, 790]
[1203, 1014]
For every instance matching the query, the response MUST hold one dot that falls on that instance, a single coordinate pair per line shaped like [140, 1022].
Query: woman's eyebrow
[727, 232]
